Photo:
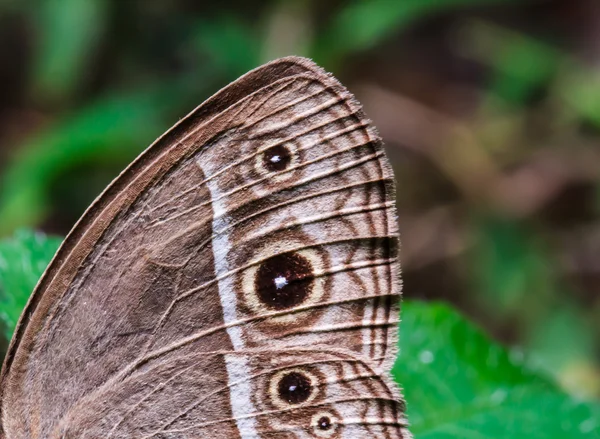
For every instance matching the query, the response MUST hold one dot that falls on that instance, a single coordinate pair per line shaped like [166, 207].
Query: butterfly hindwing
[239, 280]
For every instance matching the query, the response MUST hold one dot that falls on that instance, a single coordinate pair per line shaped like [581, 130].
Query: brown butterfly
[238, 280]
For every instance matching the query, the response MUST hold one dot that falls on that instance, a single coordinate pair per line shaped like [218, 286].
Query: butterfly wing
[239, 279]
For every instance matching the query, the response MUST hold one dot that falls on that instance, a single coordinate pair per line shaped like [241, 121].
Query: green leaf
[521, 65]
[514, 271]
[23, 259]
[580, 90]
[232, 46]
[511, 266]
[459, 384]
[362, 24]
[68, 33]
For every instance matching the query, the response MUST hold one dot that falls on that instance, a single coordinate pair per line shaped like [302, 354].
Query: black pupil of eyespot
[277, 158]
[284, 281]
[324, 423]
[294, 388]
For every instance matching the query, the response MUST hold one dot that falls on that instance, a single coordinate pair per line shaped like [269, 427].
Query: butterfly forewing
[239, 280]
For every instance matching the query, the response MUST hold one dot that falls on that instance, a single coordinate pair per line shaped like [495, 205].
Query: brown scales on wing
[239, 279]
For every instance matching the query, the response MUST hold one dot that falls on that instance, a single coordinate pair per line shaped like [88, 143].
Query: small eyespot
[292, 387]
[284, 281]
[277, 159]
[324, 424]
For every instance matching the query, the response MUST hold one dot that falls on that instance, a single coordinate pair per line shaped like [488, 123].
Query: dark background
[490, 111]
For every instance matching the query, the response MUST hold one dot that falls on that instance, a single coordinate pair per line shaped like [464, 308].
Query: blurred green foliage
[69, 31]
[361, 25]
[497, 157]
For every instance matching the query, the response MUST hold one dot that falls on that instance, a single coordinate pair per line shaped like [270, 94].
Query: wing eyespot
[324, 424]
[293, 387]
[276, 159]
[284, 281]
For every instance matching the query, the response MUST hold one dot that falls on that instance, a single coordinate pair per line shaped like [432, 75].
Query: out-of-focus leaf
[361, 24]
[513, 273]
[564, 345]
[459, 384]
[521, 64]
[510, 266]
[287, 30]
[231, 44]
[68, 34]
[115, 128]
[23, 259]
[580, 88]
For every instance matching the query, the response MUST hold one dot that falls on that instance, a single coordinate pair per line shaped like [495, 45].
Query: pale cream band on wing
[237, 367]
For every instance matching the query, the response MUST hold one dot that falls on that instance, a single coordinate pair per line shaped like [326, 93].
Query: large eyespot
[324, 424]
[276, 159]
[292, 387]
[295, 388]
[284, 281]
